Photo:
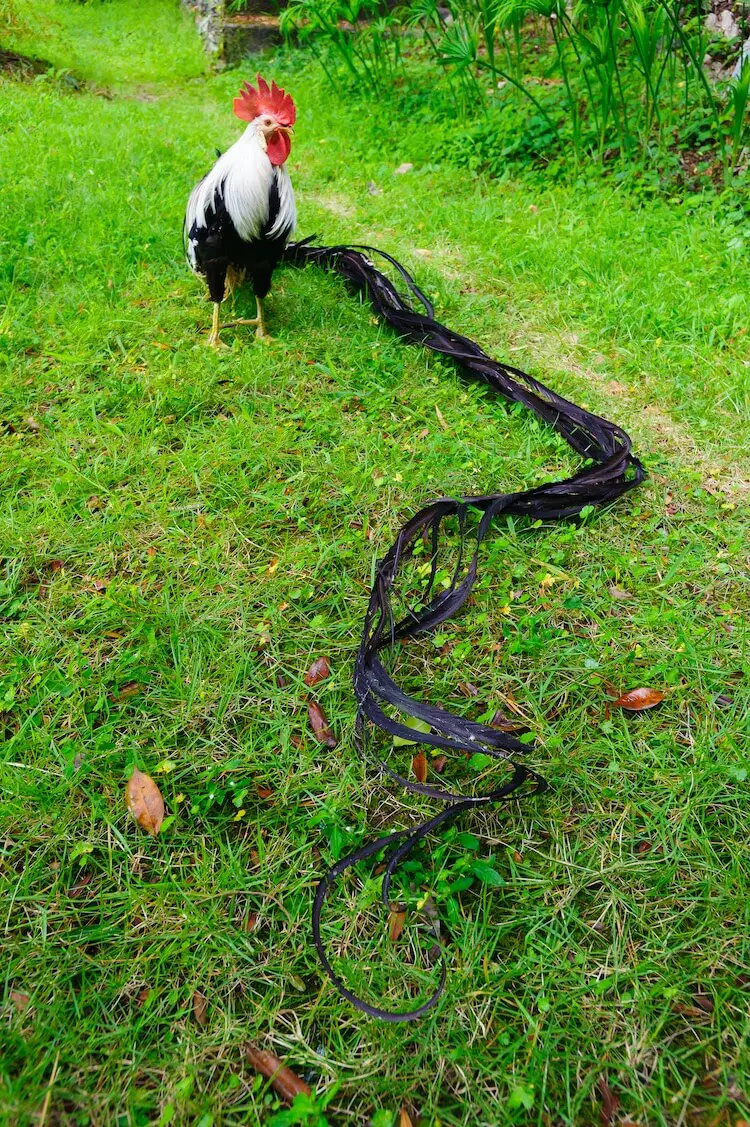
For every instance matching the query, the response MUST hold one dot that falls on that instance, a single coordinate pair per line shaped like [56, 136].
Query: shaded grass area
[183, 531]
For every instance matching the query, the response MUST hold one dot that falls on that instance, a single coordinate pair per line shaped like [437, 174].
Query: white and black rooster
[240, 216]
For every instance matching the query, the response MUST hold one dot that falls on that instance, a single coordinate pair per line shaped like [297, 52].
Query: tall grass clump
[591, 80]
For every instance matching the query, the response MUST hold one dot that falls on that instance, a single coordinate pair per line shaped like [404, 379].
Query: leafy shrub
[603, 79]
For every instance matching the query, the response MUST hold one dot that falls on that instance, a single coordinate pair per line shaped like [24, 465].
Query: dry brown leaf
[439, 764]
[637, 700]
[404, 1119]
[20, 1000]
[200, 1008]
[319, 725]
[704, 1002]
[696, 1012]
[619, 593]
[285, 1082]
[144, 801]
[251, 921]
[263, 792]
[129, 689]
[318, 671]
[80, 884]
[440, 418]
[419, 767]
[468, 690]
[396, 922]
[504, 724]
[610, 1103]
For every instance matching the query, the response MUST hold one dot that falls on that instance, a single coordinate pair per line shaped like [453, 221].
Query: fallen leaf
[80, 884]
[319, 725]
[642, 847]
[20, 1000]
[440, 418]
[285, 1082]
[129, 689]
[373, 189]
[318, 671]
[619, 594]
[402, 168]
[33, 425]
[396, 922]
[143, 995]
[610, 1103]
[263, 792]
[419, 767]
[468, 690]
[144, 801]
[637, 700]
[504, 724]
[439, 764]
[704, 1002]
[200, 1008]
[403, 1119]
[723, 700]
[689, 1011]
[94, 504]
[251, 921]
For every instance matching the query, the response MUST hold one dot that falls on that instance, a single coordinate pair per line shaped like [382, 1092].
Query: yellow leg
[260, 332]
[259, 321]
[213, 337]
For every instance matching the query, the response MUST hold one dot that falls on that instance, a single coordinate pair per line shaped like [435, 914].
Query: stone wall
[229, 36]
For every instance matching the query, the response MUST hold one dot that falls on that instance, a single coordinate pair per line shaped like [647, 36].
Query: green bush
[602, 80]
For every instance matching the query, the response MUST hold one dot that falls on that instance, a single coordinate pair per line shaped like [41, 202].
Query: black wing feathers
[217, 246]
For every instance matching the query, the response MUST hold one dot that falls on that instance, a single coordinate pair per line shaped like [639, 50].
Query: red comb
[266, 99]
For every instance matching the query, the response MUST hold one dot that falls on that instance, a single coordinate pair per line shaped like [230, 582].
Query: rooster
[240, 215]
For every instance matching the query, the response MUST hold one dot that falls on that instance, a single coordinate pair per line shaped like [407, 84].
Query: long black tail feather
[612, 470]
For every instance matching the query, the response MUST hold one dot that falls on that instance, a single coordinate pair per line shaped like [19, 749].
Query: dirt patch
[337, 205]
[625, 405]
[22, 66]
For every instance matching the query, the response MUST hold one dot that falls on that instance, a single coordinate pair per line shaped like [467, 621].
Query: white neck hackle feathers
[243, 175]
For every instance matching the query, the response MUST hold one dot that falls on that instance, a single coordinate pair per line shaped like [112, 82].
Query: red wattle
[278, 147]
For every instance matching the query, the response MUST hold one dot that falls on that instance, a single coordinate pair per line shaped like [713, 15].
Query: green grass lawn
[184, 531]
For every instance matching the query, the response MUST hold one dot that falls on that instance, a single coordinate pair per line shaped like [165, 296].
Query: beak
[269, 130]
